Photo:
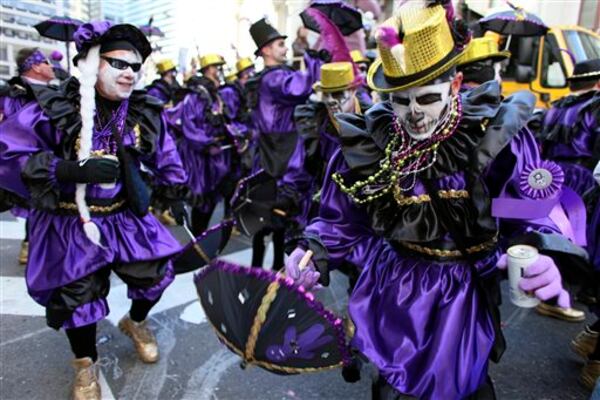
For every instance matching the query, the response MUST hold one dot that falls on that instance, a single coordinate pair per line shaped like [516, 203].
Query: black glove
[322, 54]
[92, 170]
[179, 212]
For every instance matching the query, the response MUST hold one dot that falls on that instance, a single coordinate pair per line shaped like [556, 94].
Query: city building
[17, 31]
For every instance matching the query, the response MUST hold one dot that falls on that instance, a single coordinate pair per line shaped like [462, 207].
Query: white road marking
[12, 229]
[204, 380]
[107, 393]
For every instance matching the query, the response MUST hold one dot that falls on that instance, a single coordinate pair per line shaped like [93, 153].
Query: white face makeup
[117, 84]
[421, 109]
[337, 102]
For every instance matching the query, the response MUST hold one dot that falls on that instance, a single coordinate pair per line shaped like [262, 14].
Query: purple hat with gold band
[110, 37]
[36, 58]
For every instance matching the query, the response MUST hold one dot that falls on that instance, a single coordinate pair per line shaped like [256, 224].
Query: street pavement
[35, 360]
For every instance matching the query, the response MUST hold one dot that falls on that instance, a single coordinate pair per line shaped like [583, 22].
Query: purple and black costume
[164, 91]
[66, 273]
[198, 124]
[571, 138]
[425, 315]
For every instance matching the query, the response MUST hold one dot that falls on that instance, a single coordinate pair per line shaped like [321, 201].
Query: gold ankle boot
[85, 386]
[585, 342]
[565, 314]
[24, 253]
[142, 337]
[590, 373]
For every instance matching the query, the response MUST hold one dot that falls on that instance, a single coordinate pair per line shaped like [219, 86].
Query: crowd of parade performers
[416, 198]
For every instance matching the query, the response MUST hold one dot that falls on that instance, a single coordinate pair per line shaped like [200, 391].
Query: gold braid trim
[269, 366]
[423, 198]
[201, 252]
[259, 320]
[450, 253]
[138, 134]
[95, 209]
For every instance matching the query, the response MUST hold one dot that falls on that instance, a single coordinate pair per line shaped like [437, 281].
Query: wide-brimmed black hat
[588, 70]
[263, 33]
[103, 32]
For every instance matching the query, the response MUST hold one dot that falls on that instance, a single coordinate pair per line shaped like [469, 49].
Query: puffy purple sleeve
[159, 94]
[232, 101]
[27, 160]
[294, 87]
[547, 216]
[165, 163]
[342, 231]
[190, 121]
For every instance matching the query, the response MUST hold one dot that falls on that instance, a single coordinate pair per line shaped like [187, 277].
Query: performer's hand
[214, 150]
[179, 212]
[91, 170]
[543, 278]
[308, 276]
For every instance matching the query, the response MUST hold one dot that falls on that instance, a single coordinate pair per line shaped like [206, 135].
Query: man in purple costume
[35, 73]
[165, 87]
[75, 155]
[273, 94]
[424, 196]
[570, 136]
[204, 142]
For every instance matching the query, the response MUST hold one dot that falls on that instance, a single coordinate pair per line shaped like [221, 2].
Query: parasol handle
[305, 259]
[188, 231]
[279, 212]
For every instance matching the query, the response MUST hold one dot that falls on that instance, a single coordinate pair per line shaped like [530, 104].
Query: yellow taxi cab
[542, 64]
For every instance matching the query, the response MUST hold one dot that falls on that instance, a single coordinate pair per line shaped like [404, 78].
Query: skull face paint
[420, 110]
[337, 102]
[117, 84]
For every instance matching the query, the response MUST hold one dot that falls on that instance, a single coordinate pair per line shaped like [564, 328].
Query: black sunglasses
[123, 65]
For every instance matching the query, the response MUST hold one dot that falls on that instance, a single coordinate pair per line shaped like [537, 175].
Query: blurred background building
[191, 28]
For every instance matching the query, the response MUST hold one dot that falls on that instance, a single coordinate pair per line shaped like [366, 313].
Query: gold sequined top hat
[426, 49]
[165, 65]
[211, 59]
[481, 49]
[243, 64]
[336, 77]
[358, 57]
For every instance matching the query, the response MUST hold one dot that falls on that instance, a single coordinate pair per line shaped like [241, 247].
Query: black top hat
[263, 33]
[588, 70]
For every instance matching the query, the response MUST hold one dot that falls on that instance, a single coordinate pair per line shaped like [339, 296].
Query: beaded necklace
[103, 134]
[403, 160]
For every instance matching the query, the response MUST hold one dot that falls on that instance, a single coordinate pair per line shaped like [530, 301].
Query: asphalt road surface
[35, 360]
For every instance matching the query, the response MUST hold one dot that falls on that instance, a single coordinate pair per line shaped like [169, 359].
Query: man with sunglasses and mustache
[75, 155]
[425, 195]
[35, 73]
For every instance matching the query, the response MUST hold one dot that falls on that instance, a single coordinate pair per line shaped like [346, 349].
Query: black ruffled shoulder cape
[488, 125]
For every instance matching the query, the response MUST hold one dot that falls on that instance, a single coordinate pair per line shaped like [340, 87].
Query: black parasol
[347, 18]
[269, 321]
[59, 28]
[253, 204]
[201, 250]
[515, 22]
